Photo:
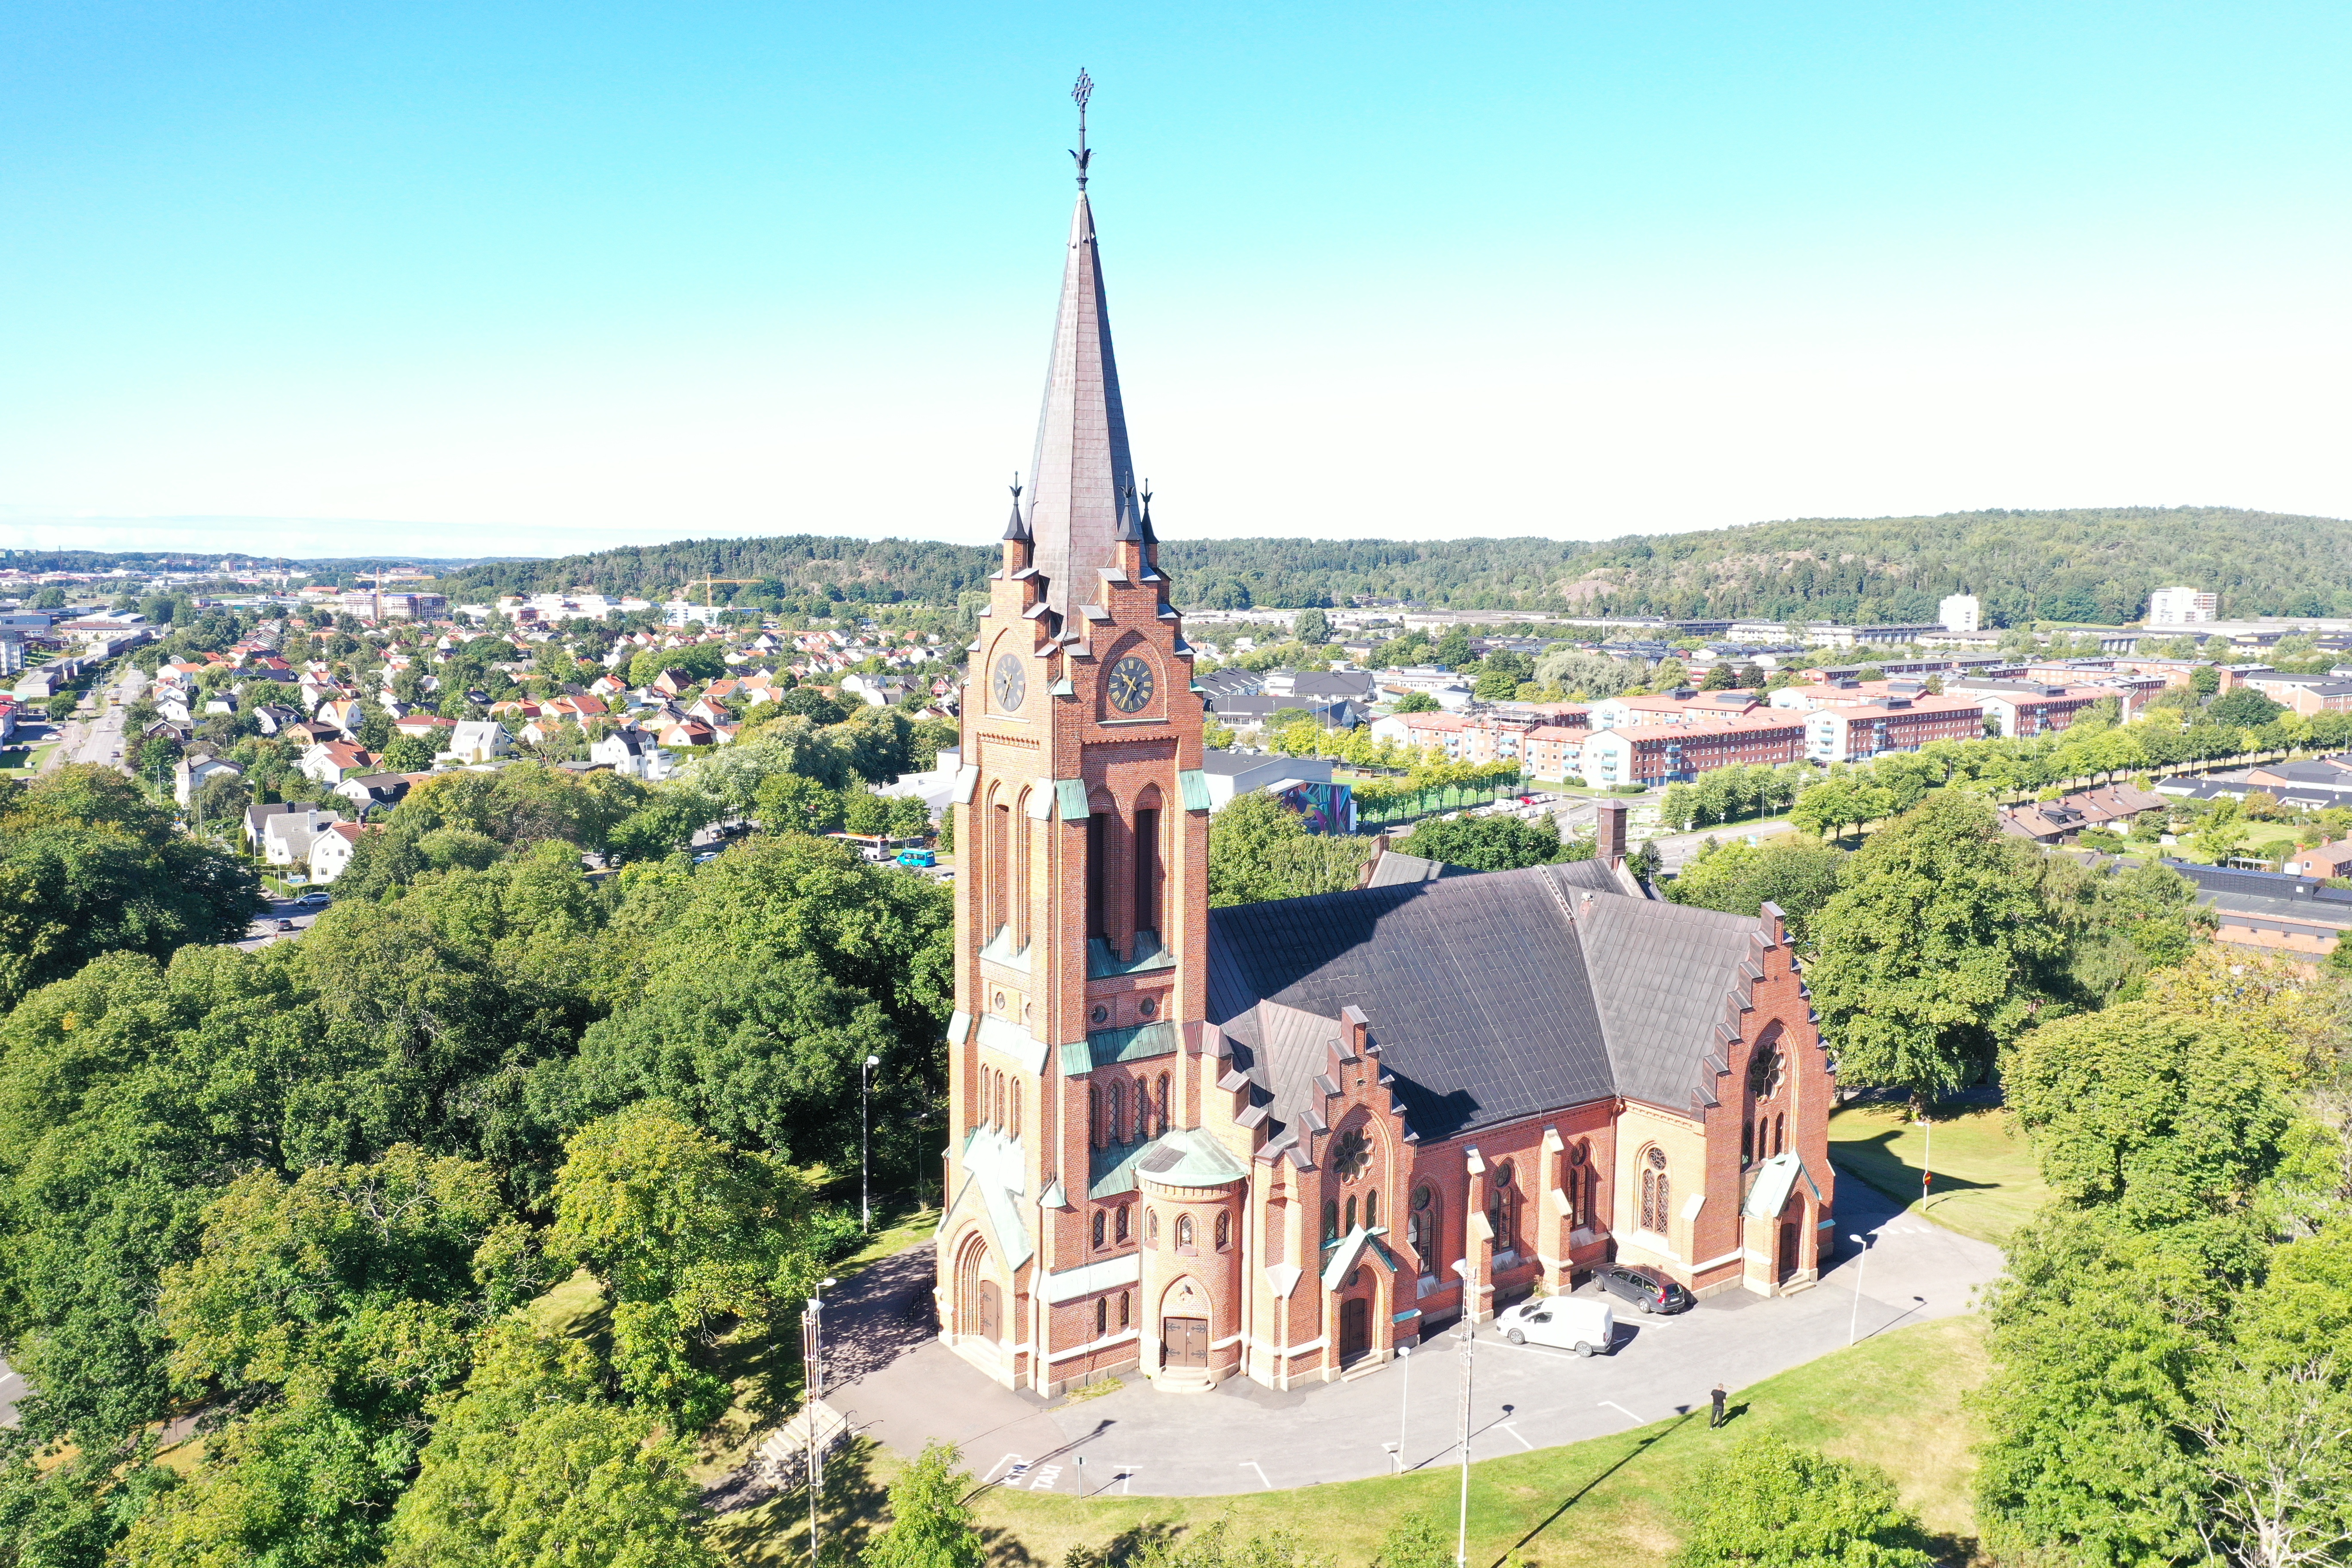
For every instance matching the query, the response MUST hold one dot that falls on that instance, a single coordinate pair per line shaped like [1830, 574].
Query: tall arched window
[1350, 1227]
[1151, 1227]
[1373, 1209]
[1184, 1232]
[1225, 1231]
[1421, 1229]
[1330, 1221]
[1102, 1316]
[1780, 1132]
[1094, 1115]
[1014, 1124]
[1122, 1309]
[1502, 1208]
[1163, 1105]
[1119, 1224]
[1118, 1114]
[997, 867]
[1657, 1197]
[1098, 1227]
[1147, 862]
[1020, 890]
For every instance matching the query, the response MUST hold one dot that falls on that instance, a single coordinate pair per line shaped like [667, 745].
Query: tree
[89, 865]
[1769, 1503]
[408, 755]
[1259, 849]
[1925, 956]
[533, 1467]
[1739, 879]
[1417, 1541]
[2243, 708]
[787, 803]
[1312, 627]
[1416, 702]
[1490, 843]
[682, 1231]
[932, 1525]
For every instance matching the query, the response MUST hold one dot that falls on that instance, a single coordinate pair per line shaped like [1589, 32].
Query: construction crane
[705, 585]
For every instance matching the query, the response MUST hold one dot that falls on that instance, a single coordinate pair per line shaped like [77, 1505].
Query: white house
[190, 773]
[330, 850]
[480, 741]
[633, 753]
[286, 839]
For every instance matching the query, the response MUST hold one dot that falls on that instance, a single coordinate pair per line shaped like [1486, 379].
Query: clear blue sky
[494, 276]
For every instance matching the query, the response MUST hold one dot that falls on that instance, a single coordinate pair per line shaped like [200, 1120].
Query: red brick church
[1277, 1139]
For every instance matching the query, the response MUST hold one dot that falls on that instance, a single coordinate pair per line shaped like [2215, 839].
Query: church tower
[1081, 907]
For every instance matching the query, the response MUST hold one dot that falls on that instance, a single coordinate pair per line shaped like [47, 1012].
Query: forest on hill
[2094, 565]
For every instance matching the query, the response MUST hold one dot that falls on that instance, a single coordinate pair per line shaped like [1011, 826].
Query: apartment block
[1670, 754]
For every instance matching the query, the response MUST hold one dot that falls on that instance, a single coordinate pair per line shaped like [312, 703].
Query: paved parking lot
[895, 1382]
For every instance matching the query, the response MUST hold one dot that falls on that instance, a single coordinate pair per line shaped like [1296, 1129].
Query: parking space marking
[1514, 1431]
[1622, 1411]
[1126, 1479]
[1013, 1459]
[1252, 1465]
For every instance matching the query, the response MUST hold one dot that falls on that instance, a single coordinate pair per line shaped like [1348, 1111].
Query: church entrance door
[1788, 1248]
[988, 1304]
[1355, 1329]
[1184, 1342]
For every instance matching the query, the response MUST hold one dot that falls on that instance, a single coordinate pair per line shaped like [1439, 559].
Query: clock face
[1010, 682]
[1131, 684]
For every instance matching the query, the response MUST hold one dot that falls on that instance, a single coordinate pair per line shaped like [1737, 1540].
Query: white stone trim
[1731, 1256]
[1117, 1338]
[1092, 1278]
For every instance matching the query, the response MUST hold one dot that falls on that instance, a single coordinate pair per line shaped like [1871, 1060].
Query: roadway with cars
[894, 1381]
[292, 914]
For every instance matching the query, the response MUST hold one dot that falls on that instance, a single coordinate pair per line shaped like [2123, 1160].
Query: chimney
[1609, 842]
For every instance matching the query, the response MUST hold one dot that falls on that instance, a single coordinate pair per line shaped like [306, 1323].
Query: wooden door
[1355, 1328]
[1184, 1342]
[1787, 1247]
[989, 1303]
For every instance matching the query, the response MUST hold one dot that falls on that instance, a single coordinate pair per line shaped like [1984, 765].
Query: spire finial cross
[1084, 90]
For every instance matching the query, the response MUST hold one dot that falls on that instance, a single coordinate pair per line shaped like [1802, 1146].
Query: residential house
[633, 753]
[2060, 821]
[2322, 860]
[480, 741]
[671, 682]
[272, 717]
[333, 761]
[873, 690]
[330, 851]
[256, 816]
[285, 838]
[190, 773]
[424, 727]
[689, 732]
[2273, 909]
[365, 791]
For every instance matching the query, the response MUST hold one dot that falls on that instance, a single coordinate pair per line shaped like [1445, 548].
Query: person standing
[1718, 1397]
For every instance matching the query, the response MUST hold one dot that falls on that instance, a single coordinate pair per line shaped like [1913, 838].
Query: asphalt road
[264, 930]
[12, 1389]
[891, 1379]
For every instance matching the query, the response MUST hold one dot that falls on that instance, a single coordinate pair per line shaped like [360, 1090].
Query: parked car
[918, 859]
[1647, 1289]
[1570, 1322]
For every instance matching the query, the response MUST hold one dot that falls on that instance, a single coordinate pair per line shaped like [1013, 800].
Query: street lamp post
[865, 1146]
[812, 1380]
[1405, 1390]
[1854, 1326]
[1469, 1271]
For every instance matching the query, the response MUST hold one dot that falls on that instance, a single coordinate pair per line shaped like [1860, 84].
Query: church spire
[1080, 470]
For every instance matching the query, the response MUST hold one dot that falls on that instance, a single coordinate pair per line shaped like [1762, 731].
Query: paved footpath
[895, 1381]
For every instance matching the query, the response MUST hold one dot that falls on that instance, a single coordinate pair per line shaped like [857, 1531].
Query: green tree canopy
[1925, 956]
[932, 1524]
[1769, 1503]
[1493, 843]
[1259, 849]
[1796, 877]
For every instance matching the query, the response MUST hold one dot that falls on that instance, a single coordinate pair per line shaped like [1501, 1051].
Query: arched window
[1122, 1309]
[1502, 1208]
[1151, 1227]
[1421, 1229]
[1656, 1196]
[1119, 1224]
[1094, 1115]
[1780, 1132]
[1147, 862]
[1225, 1231]
[1164, 1104]
[1579, 1187]
[1020, 893]
[1102, 1316]
[1330, 1221]
[1015, 1125]
[1118, 1114]
[1373, 1209]
[1098, 1227]
[1349, 1228]
[1184, 1233]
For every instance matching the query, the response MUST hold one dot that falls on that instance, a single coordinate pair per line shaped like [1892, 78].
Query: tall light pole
[813, 1381]
[1404, 1391]
[865, 1146]
[1854, 1325]
[1469, 1270]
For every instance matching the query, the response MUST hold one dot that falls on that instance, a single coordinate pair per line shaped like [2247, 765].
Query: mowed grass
[1895, 1401]
[1986, 1183]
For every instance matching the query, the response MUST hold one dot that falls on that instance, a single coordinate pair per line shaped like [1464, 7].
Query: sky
[454, 279]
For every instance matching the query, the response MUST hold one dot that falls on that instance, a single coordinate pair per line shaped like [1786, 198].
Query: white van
[1571, 1323]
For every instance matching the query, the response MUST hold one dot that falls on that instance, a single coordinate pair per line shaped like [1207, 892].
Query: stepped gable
[1490, 997]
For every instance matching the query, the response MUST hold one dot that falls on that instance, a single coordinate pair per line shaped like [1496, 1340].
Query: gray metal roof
[1491, 996]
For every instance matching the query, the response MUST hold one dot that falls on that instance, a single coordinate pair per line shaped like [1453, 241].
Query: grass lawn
[1986, 1181]
[890, 1235]
[1894, 1401]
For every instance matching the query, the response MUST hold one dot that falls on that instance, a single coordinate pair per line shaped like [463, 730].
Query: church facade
[1277, 1139]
